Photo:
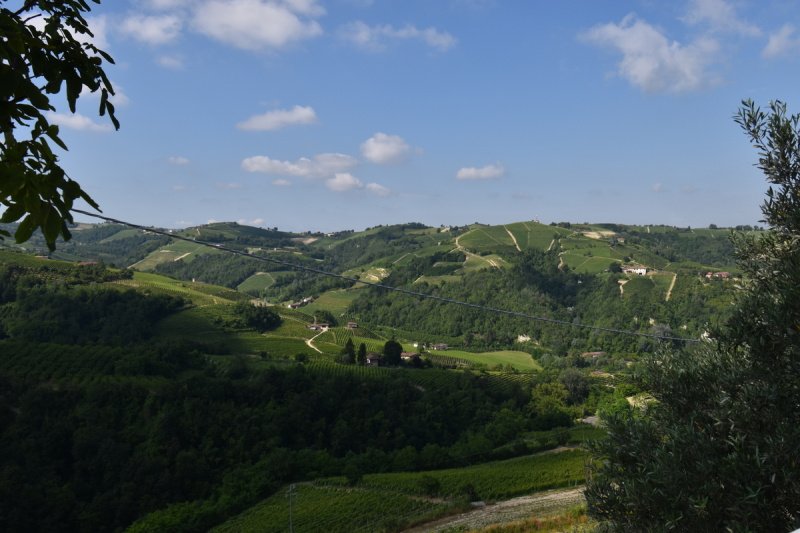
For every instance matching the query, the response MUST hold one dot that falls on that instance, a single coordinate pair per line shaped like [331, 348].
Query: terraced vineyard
[381, 501]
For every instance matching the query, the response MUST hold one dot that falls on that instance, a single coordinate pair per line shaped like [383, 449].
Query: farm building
[352, 325]
[439, 346]
[407, 356]
[637, 270]
[373, 359]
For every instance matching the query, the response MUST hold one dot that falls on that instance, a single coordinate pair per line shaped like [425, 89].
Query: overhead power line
[409, 292]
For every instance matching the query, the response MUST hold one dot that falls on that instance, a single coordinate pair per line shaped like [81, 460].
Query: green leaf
[25, 229]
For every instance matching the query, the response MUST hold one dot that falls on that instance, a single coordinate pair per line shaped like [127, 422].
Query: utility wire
[409, 292]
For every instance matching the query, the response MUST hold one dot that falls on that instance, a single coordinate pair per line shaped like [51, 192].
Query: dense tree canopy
[717, 450]
[45, 49]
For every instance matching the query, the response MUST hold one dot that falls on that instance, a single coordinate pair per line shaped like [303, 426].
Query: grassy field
[519, 360]
[391, 501]
[257, 282]
[336, 301]
[183, 250]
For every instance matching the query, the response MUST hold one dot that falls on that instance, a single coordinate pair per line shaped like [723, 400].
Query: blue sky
[343, 114]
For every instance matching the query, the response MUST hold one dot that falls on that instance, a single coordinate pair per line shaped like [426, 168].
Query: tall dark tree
[349, 352]
[44, 49]
[362, 354]
[391, 353]
[718, 449]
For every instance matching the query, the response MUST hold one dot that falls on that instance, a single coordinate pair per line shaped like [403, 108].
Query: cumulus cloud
[170, 62]
[177, 160]
[280, 182]
[77, 121]
[652, 62]
[229, 186]
[254, 222]
[166, 4]
[151, 29]
[375, 37]
[97, 26]
[658, 187]
[720, 16]
[258, 24]
[488, 172]
[377, 189]
[781, 42]
[319, 166]
[384, 149]
[343, 181]
[279, 118]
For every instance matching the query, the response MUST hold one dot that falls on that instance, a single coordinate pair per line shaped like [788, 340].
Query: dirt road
[540, 504]
[512, 238]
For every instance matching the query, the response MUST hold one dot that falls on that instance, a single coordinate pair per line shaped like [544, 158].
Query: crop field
[519, 360]
[392, 501]
[492, 481]
[122, 234]
[257, 282]
[176, 250]
[535, 235]
[486, 238]
[332, 509]
[335, 301]
[438, 280]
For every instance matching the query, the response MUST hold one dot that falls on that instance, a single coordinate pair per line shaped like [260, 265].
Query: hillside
[166, 375]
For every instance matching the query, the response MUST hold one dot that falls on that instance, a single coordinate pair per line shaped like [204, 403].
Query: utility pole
[290, 495]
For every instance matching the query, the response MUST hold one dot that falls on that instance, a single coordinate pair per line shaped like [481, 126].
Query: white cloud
[653, 63]
[166, 4]
[320, 166]
[375, 37]
[229, 186]
[658, 187]
[382, 148]
[119, 98]
[377, 189]
[177, 160]
[152, 29]
[279, 118]
[97, 27]
[258, 24]
[170, 62]
[254, 222]
[488, 172]
[77, 122]
[781, 42]
[282, 183]
[720, 16]
[343, 181]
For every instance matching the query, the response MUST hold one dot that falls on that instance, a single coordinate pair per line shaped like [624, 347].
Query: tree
[717, 451]
[258, 317]
[43, 48]
[362, 354]
[392, 351]
[349, 352]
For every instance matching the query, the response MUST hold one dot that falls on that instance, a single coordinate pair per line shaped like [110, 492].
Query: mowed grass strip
[519, 360]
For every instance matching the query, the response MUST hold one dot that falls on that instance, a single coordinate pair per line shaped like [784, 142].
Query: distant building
[407, 356]
[592, 355]
[352, 325]
[637, 270]
[373, 359]
[439, 346]
[718, 275]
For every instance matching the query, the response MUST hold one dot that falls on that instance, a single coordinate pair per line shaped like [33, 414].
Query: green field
[336, 301]
[392, 501]
[519, 360]
[257, 283]
[183, 250]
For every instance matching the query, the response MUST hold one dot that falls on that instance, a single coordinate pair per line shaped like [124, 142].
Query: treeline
[204, 446]
[536, 286]
[53, 304]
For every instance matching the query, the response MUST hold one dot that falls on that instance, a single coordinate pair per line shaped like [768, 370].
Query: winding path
[507, 511]
[671, 286]
[309, 342]
[512, 238]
